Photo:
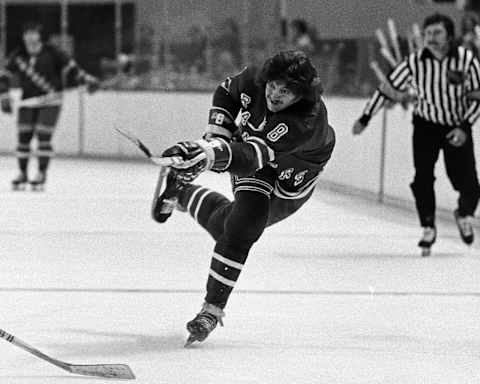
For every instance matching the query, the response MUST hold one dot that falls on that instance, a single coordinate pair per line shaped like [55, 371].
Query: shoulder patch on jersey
[244, 118]
[245, 100]
[277, 132]
[226, 84]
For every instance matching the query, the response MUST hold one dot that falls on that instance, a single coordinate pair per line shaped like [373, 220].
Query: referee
[440, 75]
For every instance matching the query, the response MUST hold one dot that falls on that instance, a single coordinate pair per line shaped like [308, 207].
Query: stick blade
[127, 135]
[111, 371]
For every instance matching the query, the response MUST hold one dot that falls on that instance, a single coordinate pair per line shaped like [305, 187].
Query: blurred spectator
[119, 73]
[197, 47]
[300, 36]
[470, 29]
[227, 46]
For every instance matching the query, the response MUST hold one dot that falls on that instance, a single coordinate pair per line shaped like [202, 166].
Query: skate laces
[465, 225]
[429, 234]
[210, 315]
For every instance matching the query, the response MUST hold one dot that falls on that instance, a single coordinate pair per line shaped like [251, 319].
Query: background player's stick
[417, 36]
[394, 38]
[112, 371]
[38, 101]
[162, 161]
[384, 49]
[51, 98]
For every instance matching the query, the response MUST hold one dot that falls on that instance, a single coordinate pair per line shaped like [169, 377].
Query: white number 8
[277, 132]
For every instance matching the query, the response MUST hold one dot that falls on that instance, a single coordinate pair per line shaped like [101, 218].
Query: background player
[42, 69]
[275, 157]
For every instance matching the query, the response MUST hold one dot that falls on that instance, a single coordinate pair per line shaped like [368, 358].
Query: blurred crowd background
[191, 45]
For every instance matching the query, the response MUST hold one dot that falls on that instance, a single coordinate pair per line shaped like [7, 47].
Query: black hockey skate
[204, 323]
[166, 199]
[38, 183]
[465, 227]
[19, 183]
[428, 238]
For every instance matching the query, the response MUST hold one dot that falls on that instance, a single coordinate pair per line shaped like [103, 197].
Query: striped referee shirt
[440, 86]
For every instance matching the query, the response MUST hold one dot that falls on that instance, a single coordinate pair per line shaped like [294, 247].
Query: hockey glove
[199, 156]
[6, 103]
[194, 160]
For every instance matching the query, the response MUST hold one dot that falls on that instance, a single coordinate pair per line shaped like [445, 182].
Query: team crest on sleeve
[276, 133]
[226, 84]
[244, 118]
[245, 100]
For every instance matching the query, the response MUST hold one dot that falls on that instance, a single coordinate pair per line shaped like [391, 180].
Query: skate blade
[37, 188]
[19, 187]
[426, 251]
[191, 339]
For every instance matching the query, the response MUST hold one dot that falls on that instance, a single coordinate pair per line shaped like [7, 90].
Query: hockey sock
[23, 163]
[23, 148]
[243, 227]
[207, 207]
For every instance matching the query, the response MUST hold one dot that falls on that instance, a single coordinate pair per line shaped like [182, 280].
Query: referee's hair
[438, 18]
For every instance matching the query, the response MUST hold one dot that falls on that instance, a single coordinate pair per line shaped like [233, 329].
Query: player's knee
[247, 222]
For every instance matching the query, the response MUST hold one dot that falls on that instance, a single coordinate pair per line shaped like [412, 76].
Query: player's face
[33, 42]
[278, 96]
[436, 38]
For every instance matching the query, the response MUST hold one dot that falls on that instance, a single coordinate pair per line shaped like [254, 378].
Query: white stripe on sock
[222, 279]
[228, 262]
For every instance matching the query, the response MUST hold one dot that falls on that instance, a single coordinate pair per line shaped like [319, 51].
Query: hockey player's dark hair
[438, 18]
[295, 69]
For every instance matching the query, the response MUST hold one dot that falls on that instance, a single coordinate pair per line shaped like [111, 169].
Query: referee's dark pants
[428, 139]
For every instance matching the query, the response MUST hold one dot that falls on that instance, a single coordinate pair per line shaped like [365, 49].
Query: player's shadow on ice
[112, 344]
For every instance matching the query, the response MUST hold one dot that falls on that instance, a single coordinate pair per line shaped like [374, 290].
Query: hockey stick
[159, 160]
[112, 371]
[384, 49]
[394, 38]
[53, 98]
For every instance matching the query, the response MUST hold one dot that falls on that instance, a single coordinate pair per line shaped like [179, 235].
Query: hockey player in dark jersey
[43, 70]
[275, 156]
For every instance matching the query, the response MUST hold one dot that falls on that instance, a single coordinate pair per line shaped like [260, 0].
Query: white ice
[336, 294]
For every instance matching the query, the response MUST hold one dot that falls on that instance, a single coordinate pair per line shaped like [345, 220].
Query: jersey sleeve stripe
[218, 130]
[223, 110]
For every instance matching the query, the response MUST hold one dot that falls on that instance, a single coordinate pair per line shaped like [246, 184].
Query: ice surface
[336, 294]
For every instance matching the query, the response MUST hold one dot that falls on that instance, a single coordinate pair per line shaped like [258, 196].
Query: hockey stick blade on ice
[166, 161]
[110, 371]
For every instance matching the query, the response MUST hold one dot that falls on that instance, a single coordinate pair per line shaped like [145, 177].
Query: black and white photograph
[240, 191]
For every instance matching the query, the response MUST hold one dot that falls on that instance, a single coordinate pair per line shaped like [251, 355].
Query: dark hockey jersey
[297, 141]
[43, 73]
